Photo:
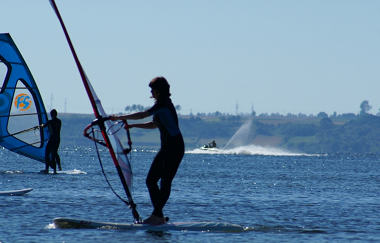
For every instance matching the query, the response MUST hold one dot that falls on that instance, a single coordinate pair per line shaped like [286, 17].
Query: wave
[238, 145]
[249, 150]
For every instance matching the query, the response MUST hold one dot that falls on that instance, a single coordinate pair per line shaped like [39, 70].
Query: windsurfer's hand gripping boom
[135, 116]
[111, 130]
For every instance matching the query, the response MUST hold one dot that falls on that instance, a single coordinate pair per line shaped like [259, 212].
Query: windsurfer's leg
[172, 160]
[53, 163]
[153, 177]
[54, 158]
[56, 155]
[48, 151]
[170, 169]
[58, 160]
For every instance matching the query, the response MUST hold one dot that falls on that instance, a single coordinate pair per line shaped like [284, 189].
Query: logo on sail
[23, 102]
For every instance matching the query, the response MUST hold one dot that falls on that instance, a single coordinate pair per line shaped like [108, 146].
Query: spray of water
[248, 150]
[240, 138]
[240, 144]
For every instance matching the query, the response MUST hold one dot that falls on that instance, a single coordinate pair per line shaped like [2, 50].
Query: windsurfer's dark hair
[160, 84]
[53, 113]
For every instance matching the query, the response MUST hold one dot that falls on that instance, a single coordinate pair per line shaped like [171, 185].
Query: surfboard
[181, 226]
[70, 172]
[15, 192]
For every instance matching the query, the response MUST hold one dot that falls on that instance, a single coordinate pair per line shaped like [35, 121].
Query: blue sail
[21, 107]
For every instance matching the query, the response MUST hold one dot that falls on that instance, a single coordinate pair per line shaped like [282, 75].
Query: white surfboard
[15, 192]
[70, 172]
[185, 226]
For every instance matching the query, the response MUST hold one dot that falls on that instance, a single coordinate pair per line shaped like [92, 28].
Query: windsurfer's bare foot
[154, 220]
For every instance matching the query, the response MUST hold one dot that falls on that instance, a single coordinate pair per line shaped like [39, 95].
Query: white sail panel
[23, 116]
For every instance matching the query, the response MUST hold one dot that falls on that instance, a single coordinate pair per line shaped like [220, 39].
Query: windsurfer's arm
[146, 125]
[133, 116]
[44, 124]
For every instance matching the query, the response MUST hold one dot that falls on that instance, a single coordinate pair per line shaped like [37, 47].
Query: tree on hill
[178, 108]
[348, 115]
[326, 123]
[217, 113]
[365, 107]
[135, 108]
[322, 114]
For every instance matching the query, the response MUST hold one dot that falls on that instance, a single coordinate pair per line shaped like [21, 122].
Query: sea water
[278, 196]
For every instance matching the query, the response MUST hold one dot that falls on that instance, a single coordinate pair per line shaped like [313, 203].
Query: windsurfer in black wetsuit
[51, 153]
[168, 158]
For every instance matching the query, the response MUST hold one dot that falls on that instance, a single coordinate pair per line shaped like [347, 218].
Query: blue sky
[276, 56]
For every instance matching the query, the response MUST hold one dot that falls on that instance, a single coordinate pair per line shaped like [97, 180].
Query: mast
[95, 102]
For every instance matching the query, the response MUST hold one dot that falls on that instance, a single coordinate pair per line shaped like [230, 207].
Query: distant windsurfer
[52, 158]
[168, 158]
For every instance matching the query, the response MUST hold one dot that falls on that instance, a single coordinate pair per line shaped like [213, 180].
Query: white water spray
[240, 138]
[240, 144]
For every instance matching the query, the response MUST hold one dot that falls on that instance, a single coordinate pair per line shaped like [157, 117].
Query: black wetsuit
[51, 152]
[168, 158]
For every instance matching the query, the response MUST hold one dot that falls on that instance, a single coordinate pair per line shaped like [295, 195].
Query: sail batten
[29, 114]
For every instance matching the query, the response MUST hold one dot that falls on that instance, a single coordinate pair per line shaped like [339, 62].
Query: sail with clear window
[22, 111]
[111, 139]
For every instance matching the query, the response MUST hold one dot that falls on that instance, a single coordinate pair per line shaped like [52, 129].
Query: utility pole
[237, 108]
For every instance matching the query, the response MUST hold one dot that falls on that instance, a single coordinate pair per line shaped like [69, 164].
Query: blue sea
[278, 196]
